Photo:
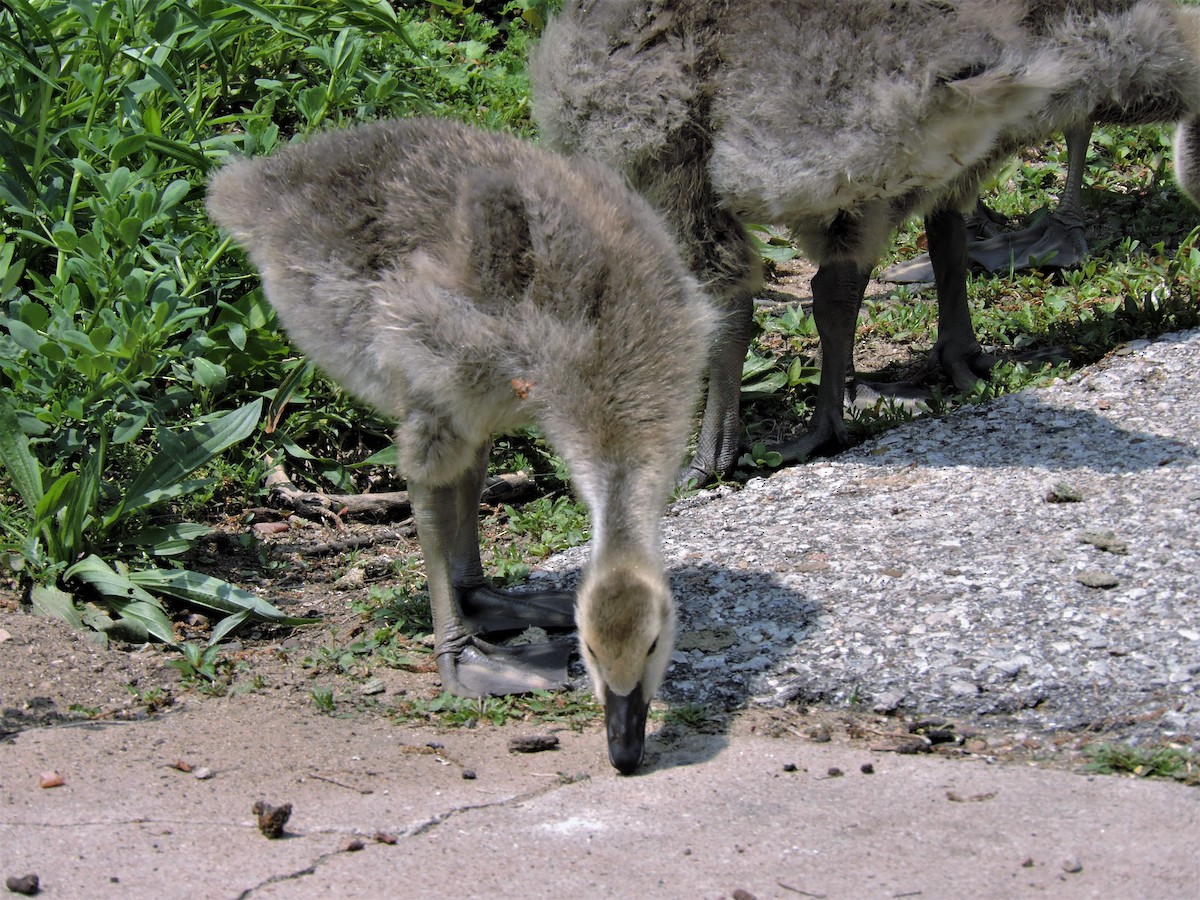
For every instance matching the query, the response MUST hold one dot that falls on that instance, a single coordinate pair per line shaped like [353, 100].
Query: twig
[796, 890]
[349, 787]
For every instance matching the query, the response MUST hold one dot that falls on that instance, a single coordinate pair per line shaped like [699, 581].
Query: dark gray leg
[837, 290]
[447, 525]
[956, 351]
[1056, 240]
[1062, 242]
[720, 432]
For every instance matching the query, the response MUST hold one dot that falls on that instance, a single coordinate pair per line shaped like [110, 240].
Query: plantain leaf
[122, 595]
[18, 459]
[211, 592]
[185, 453]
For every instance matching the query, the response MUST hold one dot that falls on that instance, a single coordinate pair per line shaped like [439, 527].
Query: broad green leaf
[169, 540]
[22, 465]
[205, 590]
[57, 603]
[24, 336]
[123, 595]
[188, 452]
[228, 625]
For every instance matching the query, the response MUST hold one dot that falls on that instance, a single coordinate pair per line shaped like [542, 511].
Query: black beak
[626, 720]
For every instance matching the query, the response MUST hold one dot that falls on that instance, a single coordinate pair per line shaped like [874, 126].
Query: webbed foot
[481, 669]
[490, 611]
[1052, 241]
[825, 435]
[965, 366]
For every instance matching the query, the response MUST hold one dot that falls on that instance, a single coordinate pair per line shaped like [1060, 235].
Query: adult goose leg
[838, 289]
[957, 351]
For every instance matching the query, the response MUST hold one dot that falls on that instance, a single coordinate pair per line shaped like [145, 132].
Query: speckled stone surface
[1033, 561]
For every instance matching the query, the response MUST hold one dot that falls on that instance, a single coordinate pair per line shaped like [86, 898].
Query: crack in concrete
[412, 832]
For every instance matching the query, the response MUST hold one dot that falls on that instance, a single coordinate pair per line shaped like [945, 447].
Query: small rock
[50, 779]
[835, 772]
[1104, 540]
[1064, 493]
[533, 744]
[24, 884]
[203, 773]
[271, 819]
[1072, 864]
[820, 734]
[352, 580]
[789, 767]
[382, 837]
[353, 845]
[468, 774]
[888, 701]
[1027, 863]
[374, 686]
[867, 769]
[741, 894]
[1096, 579]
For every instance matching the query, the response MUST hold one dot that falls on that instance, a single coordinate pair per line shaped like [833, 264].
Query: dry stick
[384, 507]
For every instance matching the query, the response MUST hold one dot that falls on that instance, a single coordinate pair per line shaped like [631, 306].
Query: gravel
[1032, 562]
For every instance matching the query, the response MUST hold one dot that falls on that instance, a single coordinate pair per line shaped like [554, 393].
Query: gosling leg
[720, 432]
[465, 609]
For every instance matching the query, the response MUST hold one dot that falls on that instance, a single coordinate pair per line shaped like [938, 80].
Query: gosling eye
[591, 652]
[653, 647]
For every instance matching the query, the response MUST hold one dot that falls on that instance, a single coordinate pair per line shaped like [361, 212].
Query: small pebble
[820, 734]
[353, 845]
[537, 743]
[835, 772]
[382, 837]
[468, 774]
[789, 767]
[24, 884]
[1097, 579]
[271, 819]
[867, 769]
[1072, 864]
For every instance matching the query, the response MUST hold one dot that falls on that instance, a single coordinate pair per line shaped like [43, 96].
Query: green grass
[1175, 763]
[135, 345]
[572, 709]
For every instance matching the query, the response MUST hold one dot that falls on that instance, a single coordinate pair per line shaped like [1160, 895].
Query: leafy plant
[1176, 763]
[123, 311]
[322, 698]
[760, 457]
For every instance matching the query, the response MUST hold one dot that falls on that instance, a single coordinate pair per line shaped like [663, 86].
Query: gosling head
[626, 619]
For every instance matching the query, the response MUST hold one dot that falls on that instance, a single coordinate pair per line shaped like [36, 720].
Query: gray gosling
[840, 119]
[468, 283]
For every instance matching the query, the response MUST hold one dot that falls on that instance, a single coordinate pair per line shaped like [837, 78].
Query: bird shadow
[1023, 430]
[717, 661]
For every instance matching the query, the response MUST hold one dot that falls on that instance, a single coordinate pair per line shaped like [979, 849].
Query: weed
[693, 716]
[322, 698]
[1176, 763]
[572, 708]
